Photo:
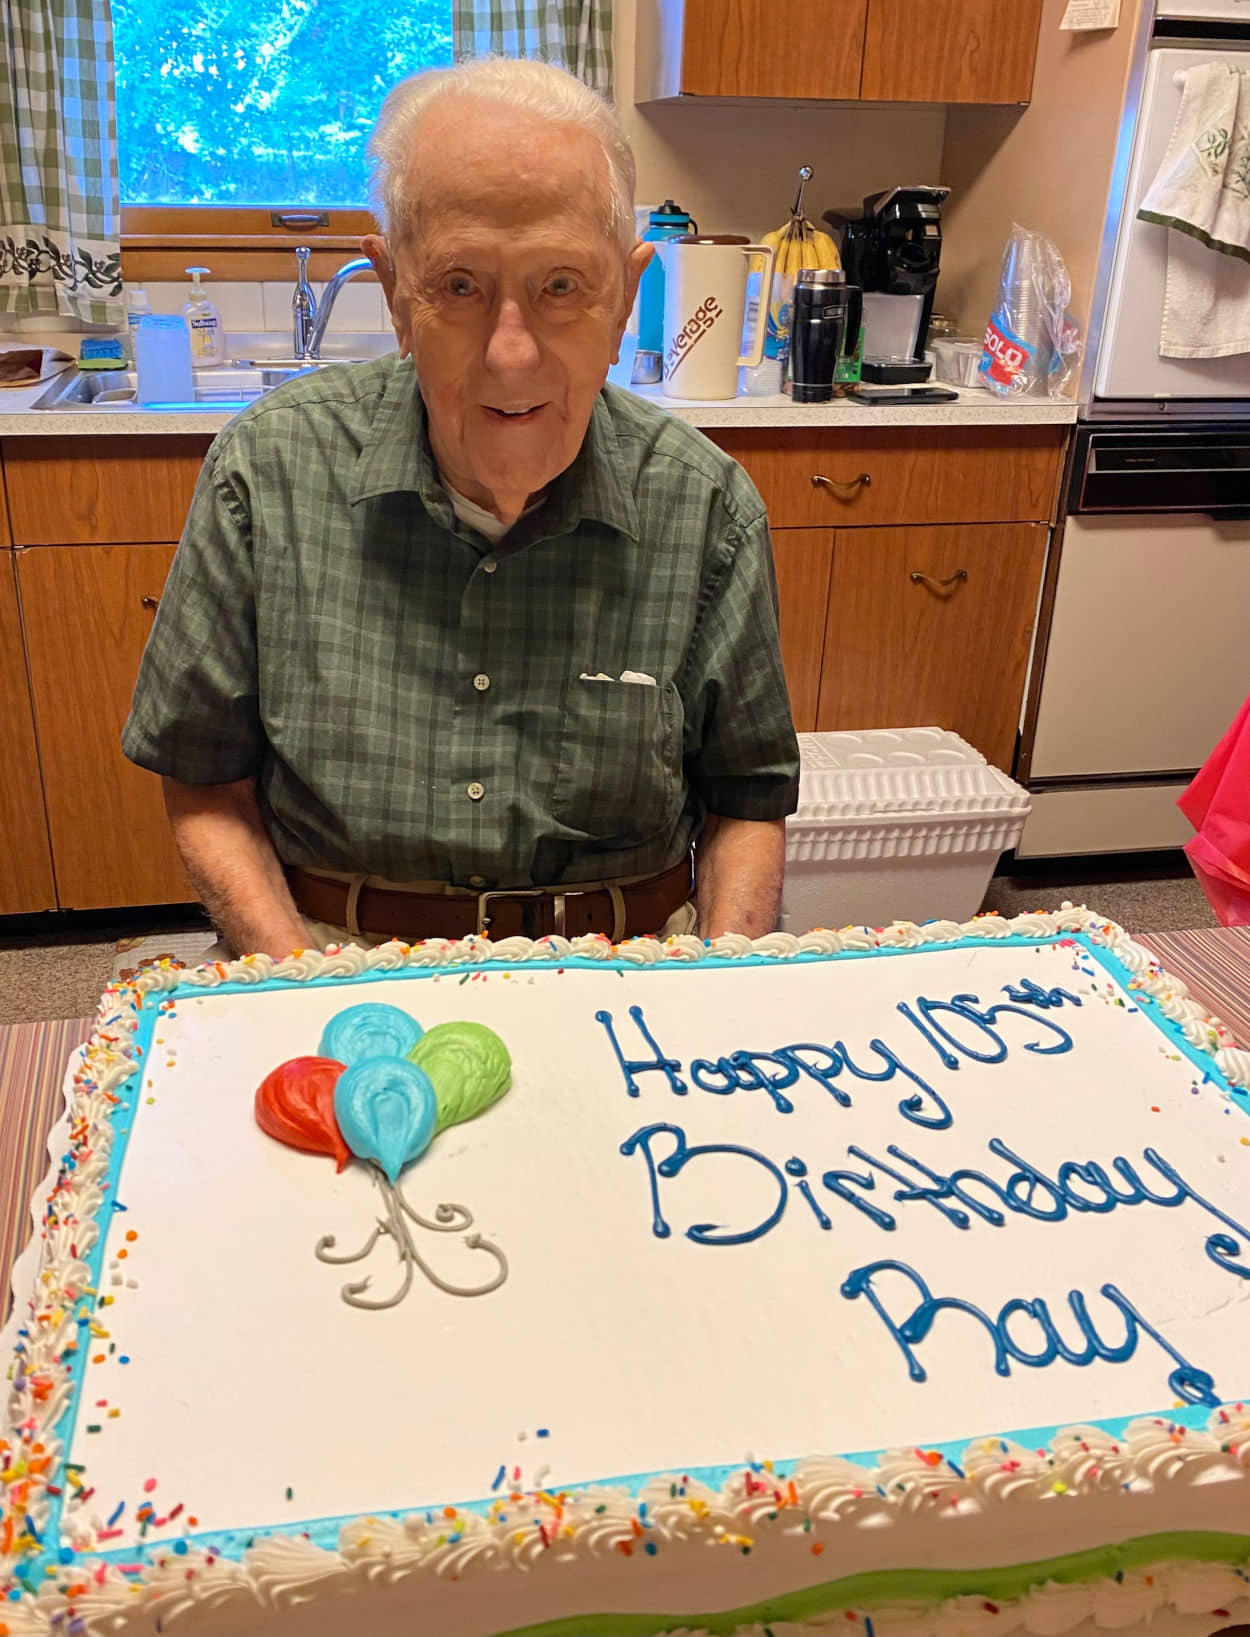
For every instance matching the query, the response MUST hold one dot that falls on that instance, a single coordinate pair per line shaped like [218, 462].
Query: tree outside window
[261, 102]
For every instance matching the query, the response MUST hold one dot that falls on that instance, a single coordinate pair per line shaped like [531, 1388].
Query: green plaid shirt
[417, 705]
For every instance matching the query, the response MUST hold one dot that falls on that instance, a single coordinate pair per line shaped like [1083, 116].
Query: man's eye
[459, 284]
[563, 284]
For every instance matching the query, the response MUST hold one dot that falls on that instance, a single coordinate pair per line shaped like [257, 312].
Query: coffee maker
[893, 247]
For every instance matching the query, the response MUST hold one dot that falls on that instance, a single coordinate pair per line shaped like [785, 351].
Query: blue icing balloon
[386, 1110]
[369, 1030]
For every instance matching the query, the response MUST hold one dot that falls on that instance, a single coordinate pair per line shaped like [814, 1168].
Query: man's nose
[511, 345]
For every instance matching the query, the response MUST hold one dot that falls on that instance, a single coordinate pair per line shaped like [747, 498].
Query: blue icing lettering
[1222, 1248]
[1030, 993]
[836, 1182]
[1187, 1381]
[824, 1074]
[911, 1108]
[703, 1233]
[657, 1062]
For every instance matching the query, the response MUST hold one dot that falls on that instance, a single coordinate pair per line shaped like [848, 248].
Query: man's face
[508, 294]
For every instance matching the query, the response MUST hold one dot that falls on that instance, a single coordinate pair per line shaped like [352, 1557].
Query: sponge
[101, 352]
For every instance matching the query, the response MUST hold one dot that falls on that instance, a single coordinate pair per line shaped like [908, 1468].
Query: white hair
[523, 83]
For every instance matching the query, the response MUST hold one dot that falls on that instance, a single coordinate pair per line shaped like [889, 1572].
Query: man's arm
[738, 869]
[230, 859]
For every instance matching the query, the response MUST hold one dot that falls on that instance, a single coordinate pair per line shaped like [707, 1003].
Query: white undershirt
[477, 517]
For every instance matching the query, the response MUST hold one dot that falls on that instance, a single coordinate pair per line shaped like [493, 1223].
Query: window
[260, 102]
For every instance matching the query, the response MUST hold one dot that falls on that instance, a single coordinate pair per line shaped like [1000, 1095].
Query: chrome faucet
[310, 317]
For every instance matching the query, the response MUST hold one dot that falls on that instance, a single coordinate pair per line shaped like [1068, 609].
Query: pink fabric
[1217, 804]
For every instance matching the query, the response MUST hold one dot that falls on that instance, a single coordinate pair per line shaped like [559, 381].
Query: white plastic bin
[895, 824]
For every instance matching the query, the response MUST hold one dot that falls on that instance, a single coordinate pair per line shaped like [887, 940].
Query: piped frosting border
[41, 1592]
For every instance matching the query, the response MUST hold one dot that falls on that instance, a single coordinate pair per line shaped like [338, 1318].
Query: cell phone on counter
[864, 394]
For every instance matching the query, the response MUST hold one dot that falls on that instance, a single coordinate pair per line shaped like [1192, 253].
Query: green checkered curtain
[60, 218]
[577, 34]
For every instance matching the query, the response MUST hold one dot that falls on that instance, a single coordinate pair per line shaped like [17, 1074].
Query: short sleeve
[194, 716]
[741, 754]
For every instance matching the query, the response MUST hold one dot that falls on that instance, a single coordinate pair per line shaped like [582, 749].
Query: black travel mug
[825, 315]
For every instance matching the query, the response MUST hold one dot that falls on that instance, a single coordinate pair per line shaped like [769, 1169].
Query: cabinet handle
[951, 580]
[151, 603]
[863, 481]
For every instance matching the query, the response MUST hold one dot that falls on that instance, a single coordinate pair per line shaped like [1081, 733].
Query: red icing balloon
[295, 1104]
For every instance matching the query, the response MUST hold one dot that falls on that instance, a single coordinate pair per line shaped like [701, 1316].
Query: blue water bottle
[668, 221]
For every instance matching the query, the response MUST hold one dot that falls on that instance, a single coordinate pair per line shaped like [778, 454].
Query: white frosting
[595, 1534]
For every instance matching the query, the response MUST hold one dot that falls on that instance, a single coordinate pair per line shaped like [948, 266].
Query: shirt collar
[396, 457]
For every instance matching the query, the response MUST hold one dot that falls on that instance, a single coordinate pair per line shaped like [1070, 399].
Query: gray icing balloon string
[448, 1219]
[380, 1090]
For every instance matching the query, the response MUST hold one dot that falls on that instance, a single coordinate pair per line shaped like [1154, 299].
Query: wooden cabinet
[87, 611]
[26, 883]
[744, 48]
[100, 490]
[950, 50]
[954, 51]
[861, 478]
[804, 559]
[932, 626]
[913, 605]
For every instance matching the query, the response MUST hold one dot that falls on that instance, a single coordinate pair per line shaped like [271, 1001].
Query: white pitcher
[705, 283]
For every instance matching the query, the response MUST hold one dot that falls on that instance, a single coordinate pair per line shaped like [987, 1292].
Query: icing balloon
[369, 1030]
[295, 1105]
[387, 1111]
[468, 1065]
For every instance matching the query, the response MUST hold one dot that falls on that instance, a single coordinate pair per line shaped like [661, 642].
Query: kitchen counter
[975, 407]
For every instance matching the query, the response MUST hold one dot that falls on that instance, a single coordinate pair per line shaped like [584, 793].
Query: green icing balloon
[468, 1066]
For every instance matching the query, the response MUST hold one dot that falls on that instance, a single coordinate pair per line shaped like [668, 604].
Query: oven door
[1129, 366]
[1148, 658]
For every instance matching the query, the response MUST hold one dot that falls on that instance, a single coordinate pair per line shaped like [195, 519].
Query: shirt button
[475, 791]
[489, 566]
[481, 682]
[477, 880]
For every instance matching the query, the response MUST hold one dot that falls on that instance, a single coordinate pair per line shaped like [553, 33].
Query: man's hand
[230, 859]
[738, 869]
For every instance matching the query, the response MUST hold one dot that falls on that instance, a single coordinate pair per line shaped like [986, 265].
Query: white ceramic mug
[705, 281]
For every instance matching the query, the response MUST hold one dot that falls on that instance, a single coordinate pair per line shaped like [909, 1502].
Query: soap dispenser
[208, 336]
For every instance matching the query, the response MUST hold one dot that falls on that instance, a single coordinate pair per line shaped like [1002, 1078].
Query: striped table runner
[32, 1071]
[1215, 965]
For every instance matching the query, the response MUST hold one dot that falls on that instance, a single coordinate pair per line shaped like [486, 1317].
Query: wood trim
[159, 241]
[6, 537]
[153, 264]
[26, 881]
[101, 490]
[166, 222]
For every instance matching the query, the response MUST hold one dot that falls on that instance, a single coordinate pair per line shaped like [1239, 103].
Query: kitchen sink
[226, 387]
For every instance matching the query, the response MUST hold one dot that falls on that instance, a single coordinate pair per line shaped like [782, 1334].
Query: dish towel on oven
[1202, 194]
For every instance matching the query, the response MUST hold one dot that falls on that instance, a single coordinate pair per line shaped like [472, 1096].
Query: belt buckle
[483, 917]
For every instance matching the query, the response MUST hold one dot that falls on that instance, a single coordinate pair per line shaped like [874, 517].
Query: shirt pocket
[619, 777]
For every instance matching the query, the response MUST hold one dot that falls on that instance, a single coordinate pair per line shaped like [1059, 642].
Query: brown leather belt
[627, 911]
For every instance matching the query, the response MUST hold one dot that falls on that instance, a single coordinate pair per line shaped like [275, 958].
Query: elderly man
[465, 639]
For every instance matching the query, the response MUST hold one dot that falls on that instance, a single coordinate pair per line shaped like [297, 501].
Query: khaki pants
[680, 922]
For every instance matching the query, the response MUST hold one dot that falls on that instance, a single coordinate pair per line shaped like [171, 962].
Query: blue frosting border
[324, 1532]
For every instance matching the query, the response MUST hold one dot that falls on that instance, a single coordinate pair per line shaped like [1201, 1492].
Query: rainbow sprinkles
[887, 1180]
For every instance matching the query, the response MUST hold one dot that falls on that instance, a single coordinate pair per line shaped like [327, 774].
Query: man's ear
[375, 247]
[379, 254]
[636, 264]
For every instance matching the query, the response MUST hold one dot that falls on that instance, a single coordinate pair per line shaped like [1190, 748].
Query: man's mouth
[521, 412]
